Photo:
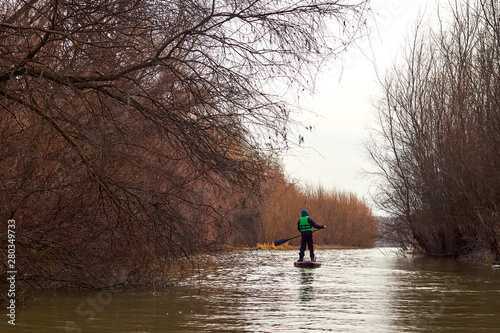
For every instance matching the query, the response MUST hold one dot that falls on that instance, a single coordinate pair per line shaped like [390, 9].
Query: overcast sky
[342, 106]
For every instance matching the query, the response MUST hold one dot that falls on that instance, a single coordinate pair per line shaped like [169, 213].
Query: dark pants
[307, 239]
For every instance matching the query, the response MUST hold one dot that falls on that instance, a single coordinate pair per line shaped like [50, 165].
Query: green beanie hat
[305, 212]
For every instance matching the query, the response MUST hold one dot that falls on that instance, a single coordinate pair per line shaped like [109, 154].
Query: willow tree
[130, 129]
[440, 136]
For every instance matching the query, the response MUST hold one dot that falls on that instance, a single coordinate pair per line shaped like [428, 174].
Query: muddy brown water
[371, 290]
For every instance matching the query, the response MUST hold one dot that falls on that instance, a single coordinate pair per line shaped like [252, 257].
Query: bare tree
[439, 153]
[130, 129]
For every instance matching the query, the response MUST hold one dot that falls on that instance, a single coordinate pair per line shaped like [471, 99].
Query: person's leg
[302, 248]
[311, 247]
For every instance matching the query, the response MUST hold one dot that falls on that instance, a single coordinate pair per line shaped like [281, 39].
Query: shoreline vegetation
[139, 134]
[348, 219]
[437, 142]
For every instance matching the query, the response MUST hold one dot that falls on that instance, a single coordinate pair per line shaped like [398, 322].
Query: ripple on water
[260, 291]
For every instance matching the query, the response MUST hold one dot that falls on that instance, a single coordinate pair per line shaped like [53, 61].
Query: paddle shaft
[284, 240]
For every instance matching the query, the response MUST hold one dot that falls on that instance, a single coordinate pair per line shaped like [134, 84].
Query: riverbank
[270, 246]
[478, 256]
[482, 256]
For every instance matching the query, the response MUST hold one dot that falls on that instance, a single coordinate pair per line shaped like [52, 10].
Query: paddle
[284, 240]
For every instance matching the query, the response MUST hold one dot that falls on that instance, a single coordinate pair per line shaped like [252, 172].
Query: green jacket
[308, 224]
[304, 224]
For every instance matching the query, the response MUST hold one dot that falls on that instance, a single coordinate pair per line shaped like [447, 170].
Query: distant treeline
[348, 219]
[438, 145]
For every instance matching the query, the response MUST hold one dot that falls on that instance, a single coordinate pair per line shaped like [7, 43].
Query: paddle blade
[281, 241]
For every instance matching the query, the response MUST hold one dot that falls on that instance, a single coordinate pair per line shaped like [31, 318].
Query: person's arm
[313, 224]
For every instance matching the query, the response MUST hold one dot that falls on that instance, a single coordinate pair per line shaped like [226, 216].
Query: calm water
[260, 291]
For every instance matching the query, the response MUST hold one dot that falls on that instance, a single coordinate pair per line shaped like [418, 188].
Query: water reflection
[260, 291]
[446, 296]
[306, 285]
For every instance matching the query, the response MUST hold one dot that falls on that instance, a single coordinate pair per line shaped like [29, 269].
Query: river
[371, 290]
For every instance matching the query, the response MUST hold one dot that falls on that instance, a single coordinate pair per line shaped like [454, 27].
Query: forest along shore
[134, 142]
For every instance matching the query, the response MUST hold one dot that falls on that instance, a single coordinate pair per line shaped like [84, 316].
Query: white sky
[342, 106]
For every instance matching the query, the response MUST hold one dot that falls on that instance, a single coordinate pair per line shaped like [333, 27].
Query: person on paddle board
[305, 226]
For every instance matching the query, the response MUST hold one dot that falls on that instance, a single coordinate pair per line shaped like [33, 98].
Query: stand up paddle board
[307, 264]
